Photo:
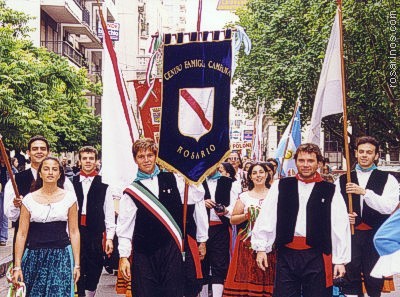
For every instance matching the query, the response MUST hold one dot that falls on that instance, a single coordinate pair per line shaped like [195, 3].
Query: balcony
[142, 62]
[63, 48]
[63, 11]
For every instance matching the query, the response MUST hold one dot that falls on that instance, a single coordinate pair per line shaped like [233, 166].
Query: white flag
[118, 126]
[329, 98]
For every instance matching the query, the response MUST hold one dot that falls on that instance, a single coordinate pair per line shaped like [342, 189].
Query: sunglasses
[233, 159]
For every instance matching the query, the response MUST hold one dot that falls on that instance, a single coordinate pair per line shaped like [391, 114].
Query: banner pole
[8, 166]
[345, 137]
[185, 203]
[199, 11]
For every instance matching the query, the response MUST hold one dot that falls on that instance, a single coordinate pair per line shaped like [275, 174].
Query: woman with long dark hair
[244, 277]
[50, 264]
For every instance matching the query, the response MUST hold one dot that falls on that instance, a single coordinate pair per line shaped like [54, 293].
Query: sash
[152, 204]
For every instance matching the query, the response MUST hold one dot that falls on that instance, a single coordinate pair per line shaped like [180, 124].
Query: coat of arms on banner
[196, 104]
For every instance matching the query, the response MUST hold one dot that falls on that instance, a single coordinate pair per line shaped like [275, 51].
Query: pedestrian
[151, 215]
[96, 215]
[236, 162]
[50, 265]
[375, 196]
[38, 150]
[220, 197]
[244, 278]
[4, 177]
[305, 218]
[14, 165]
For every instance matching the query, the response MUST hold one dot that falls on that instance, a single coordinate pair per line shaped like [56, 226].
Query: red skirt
[244, 277]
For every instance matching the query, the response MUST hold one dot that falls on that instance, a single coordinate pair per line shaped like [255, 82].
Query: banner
[150, 113]
[194, 133]
[235, 146]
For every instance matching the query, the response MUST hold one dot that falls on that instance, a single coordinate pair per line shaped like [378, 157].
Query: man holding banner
[151, 222]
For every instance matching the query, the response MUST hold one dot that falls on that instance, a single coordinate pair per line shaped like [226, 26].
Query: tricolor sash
[152, 204]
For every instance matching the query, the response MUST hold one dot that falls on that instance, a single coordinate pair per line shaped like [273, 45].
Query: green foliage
[40, 93]
[289, 38]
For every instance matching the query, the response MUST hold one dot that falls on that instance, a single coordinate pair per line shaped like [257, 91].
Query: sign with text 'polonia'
[194, 134]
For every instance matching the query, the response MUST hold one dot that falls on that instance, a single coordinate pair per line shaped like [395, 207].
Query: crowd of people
[242, 232]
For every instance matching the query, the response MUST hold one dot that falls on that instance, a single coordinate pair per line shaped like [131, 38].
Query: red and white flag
[119, 129]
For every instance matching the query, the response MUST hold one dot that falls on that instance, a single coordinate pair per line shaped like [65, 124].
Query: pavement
[106, 286]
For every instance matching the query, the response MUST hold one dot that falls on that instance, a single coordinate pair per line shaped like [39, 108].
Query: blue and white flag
[387, 244]
[293, 140]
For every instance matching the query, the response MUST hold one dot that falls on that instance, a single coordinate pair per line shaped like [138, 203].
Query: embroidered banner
[194, 133]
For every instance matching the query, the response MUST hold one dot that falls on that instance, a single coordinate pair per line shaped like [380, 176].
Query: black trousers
[158, 274]
[92, 260]
[363, 259]
[300, 273]
[217, 256]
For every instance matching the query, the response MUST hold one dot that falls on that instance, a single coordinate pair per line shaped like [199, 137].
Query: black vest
[25, 182]
[222, 194]
[318, 220]
[376, 183]
[150, 234]
[94, 205]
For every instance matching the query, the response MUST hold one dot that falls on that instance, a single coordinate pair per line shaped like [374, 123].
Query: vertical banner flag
[150, 111]
[329, 98]
[118, 126]
[194, 133]
[258, 141]
[293, 140]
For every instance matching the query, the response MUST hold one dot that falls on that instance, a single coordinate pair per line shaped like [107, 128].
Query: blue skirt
[48, 272]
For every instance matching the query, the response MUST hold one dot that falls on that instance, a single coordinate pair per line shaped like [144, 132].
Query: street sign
[113, 31]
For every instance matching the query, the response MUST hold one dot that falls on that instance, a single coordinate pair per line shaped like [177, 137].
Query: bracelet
[77, 267]
[16, 268]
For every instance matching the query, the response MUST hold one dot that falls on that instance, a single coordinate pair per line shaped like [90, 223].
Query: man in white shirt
[375, 196]
[151, 222]
[220, 198]
[96, 215]
[38, 150]
[306, 219]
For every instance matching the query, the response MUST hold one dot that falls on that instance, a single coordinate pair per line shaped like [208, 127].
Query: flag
[387, 244]
[194, 131]
[329, 97]
[150, 111]
[118, 126]
[257, 141]
[293, 141]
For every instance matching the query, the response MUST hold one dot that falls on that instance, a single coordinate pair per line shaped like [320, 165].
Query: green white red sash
[150, 201]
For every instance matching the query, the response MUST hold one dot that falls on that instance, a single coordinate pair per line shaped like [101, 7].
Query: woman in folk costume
[50, 264]
[244, 277]
[387, 243]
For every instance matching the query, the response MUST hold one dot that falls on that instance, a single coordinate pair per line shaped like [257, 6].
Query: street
[106, 287]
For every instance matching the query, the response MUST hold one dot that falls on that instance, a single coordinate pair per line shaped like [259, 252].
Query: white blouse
[49, 212]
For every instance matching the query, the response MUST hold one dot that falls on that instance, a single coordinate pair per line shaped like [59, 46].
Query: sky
[211, 19]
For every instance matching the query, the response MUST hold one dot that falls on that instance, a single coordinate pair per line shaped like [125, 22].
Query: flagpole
[296, 107]
[8, 167]
[345, 137]
[199, 11]
[253, 140]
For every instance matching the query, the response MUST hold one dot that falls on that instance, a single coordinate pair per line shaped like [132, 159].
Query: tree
[289, 38]
[40, 93]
